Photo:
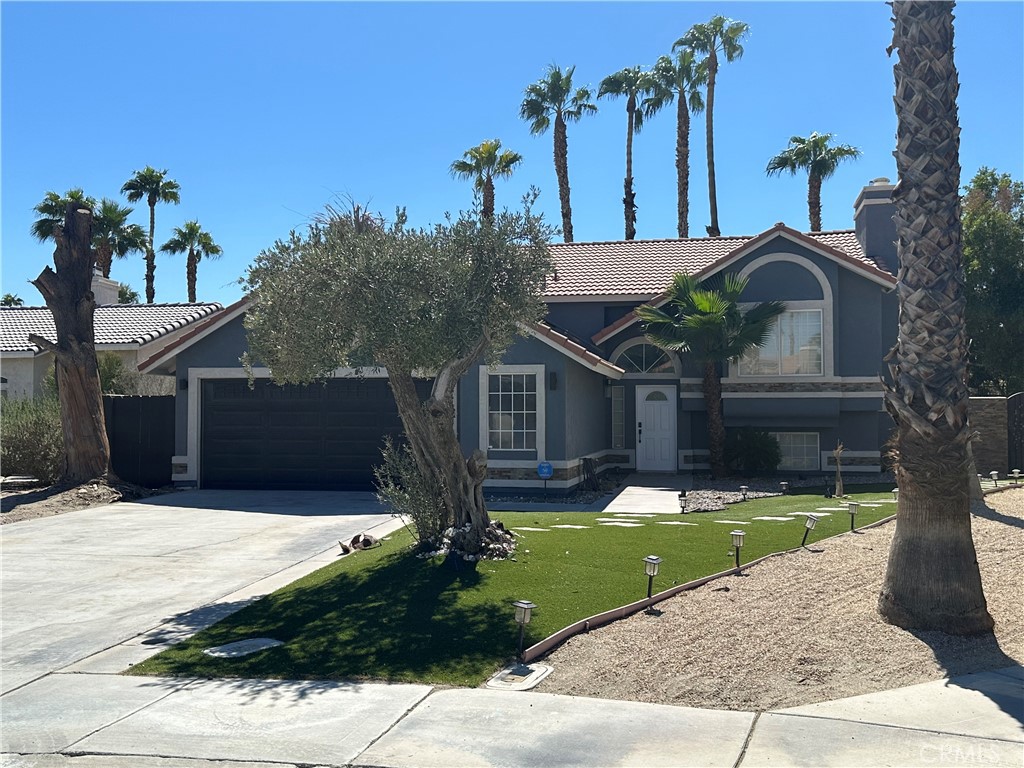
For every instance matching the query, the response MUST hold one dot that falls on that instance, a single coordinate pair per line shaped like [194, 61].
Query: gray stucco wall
[587, 413]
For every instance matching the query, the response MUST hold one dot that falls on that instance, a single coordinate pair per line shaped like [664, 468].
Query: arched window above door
[645, 359]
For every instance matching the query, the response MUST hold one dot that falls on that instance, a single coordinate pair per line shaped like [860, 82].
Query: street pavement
[88, 593]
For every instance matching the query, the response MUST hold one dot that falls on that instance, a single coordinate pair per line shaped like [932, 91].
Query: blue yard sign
[545, 470]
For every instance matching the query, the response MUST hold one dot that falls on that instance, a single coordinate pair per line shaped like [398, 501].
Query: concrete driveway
[99, 589]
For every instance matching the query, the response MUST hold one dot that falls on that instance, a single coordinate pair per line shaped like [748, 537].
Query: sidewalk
[91, 720]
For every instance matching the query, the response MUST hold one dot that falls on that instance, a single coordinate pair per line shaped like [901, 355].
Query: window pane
[518, 421]
[531, 441]
[530, 421]
[506, 382]
[505, 440]
[531, 382]
[799, 450]
[517, 441]
[800, 333]
[518, 403]
[492, 383]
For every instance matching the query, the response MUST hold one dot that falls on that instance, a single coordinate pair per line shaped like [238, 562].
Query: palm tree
[112, 235]
[719, 35]
[679, 80]
[483, 163]
[705, 320]
[191, 239]
[51, 211]
[932, 581]
[814, 155]
[553, 97]
[11, 300]
[150, 184]
[633, 83]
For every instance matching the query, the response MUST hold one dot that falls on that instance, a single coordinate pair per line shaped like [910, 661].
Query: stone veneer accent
[560, 473]
[991, 449]
[853, 461]
[794, 386]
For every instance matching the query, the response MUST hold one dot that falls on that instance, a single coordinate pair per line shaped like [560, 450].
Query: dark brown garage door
[319, 436]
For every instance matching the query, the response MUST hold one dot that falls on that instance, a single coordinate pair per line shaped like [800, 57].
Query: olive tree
[358, 291]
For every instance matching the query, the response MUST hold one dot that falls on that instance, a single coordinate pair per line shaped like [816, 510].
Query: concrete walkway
[80, 593]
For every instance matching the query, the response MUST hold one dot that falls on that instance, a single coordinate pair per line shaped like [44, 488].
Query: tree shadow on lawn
[403, 619]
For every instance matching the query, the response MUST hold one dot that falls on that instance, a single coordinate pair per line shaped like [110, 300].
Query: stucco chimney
[104, 289]
[873, 214]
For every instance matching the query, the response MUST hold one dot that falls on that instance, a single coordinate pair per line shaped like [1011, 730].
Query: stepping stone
[672, 522]
[634, 514]
[781, 519]
[819, 513]
[524, 528]
[623, 524]
[824, 509]
[242, 647]
[867, 504]
[570, 526]
[732, 522]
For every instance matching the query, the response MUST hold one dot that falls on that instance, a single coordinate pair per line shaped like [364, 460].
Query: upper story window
[793, 349]
[644, 358]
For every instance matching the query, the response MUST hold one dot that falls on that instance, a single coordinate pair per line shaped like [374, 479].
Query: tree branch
[49, 346]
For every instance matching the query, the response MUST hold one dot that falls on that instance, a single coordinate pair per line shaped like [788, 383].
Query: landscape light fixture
[895, 494]
[812, 520]
[994, 474]
[852, 507]
[785, 487]
[523, 610]
[737, 542]
[1016, 475]
[651, 563]
[682, 502]
[743, 490]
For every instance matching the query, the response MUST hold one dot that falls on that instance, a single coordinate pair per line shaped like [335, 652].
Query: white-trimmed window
[618, 417]
[642, 358]
[512, 408]
[799, 450]
[794, 347]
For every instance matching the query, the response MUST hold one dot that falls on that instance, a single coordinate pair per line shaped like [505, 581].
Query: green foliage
[554, 97]
[32, 443]
[386, 614]
[402, 487]
[51, 210]
[752, 451]
[11, 300]
[484, 162]
[127, 295]
[355, 288]
[814, 154]
[993, 243]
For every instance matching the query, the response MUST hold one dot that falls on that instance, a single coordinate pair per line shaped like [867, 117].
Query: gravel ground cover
[799, 628]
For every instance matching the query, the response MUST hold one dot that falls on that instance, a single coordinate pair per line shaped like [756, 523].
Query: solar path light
[737, 543]
[895, 494]
[994, 474]
[651, 563]
[852, 508]
[682, 502]
[743, 490]
[785, 487]
[1016, 475]
[523, 610]
[812, 520]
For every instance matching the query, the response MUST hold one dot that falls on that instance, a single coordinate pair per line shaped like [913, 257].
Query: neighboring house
[583, 384]
[133, 332]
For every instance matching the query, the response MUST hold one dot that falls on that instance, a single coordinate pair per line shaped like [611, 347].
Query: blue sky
[263, 112]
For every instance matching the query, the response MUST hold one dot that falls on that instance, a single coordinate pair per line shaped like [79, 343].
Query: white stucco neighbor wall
[19, 372]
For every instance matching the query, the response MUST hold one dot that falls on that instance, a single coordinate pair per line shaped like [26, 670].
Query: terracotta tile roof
[571, 348]
[113, 323]
[646, 267]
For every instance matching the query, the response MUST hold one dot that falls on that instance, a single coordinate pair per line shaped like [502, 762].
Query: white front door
[656, 429]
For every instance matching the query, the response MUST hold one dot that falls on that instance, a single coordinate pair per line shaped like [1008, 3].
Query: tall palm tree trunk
[191, 269]
[709, 115]
[712, 386]
[814, 201]
[682, 166]
[932, 581]
[488, 201]
[104, 259]
[150, 255]
[562, 173]
[629, 197]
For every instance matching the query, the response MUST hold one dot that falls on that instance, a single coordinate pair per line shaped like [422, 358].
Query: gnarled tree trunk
[69, 297]
[932, 581]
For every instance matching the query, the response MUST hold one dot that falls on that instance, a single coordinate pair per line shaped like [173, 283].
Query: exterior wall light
[743, 490]
[682, 502]
[812, 520]
[737, 543]
[785, 487]
[651, 563]
[994, 474]
[852, 508]
[523, 610]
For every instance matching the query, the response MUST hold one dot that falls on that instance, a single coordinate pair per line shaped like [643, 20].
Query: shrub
[400, 484]
[32, 442]
[752, 451]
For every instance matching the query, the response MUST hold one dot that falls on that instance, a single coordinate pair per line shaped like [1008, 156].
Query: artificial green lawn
[386, 614]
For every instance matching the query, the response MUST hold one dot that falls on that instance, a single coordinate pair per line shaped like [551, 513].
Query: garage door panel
[318, 436]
